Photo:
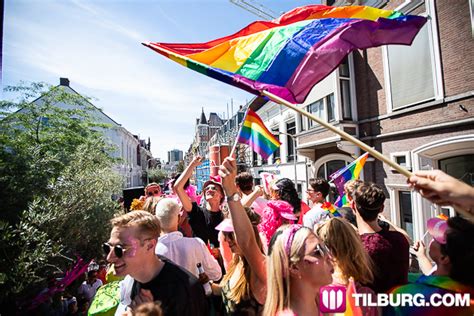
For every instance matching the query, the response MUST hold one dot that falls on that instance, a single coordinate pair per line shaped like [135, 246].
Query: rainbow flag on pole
[289, 55]
[255, 134]
[349, 172]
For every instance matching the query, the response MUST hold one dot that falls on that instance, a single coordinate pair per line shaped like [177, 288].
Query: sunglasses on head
[118, 250]
[151, 193]
[321, 251]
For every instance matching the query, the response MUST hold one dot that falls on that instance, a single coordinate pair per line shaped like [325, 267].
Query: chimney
[64, 82]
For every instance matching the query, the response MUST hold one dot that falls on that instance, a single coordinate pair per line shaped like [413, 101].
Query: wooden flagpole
[356, 142]
[232, 152]
[341, 133]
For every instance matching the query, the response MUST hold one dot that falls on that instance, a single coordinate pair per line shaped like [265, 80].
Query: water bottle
[207, 285]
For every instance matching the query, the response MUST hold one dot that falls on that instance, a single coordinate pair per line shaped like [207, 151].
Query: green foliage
[157, 175]
[180, 167]
[56, 187]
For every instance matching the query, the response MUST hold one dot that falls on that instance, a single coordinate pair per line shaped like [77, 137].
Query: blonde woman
[243, 287]
[298, 265]
[350, 257]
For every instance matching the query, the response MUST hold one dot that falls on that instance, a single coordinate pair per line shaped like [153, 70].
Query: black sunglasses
[229, 235]
[118, 250]
[153, 193]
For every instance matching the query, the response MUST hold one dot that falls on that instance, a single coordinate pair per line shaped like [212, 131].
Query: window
[402, 158]
[345, 89]
[412, 81]
[460, 167]
[316, 108]
[406, 214]
[322, 108]
[329, 168]
[254, 159]
[290, 129]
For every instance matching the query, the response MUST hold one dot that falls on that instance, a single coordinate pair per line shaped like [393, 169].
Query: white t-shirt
[314, 216]
[89, 290]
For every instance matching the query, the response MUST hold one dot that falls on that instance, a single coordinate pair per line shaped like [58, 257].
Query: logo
[332, 299]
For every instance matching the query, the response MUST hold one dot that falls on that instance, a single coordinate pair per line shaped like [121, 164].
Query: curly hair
[287, 192]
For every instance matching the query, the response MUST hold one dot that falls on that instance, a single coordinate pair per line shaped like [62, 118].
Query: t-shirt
[314, 216]
[89, 290]
[389, 251]
[304, 209]
[204, 222]
[179, 292]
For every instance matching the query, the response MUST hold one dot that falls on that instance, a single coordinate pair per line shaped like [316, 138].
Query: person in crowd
[316, 193]
[244, 285]
[442, 189]
[203, 220]
[424, 262]
[102, 271]
[183, 224]
[299, 264]
[185, 252]
[153, 189]
[274, 215]
[389, 250]
[350, 257]
[452, 250]
[150, 204]
[251, 195]
[284, 189]
[131, 249]
[89, 287]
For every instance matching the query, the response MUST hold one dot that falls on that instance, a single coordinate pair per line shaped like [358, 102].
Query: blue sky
[96, 44]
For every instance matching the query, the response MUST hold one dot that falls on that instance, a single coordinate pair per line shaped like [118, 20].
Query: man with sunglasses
[204, 220]
[131, 249]
[317, 191]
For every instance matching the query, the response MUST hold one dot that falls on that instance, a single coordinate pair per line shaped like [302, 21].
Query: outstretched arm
[249, 199]
[243, 230]
[179, 184]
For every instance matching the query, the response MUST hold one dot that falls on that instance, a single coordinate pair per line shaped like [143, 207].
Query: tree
[157, 175]
[56, 187]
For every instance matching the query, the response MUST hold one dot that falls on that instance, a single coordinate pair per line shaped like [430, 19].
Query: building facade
[175, 155]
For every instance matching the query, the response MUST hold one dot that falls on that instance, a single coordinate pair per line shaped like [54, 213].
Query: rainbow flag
[351, 308]
[289, 55]
[330, 207]
[349, 172]
[255, 134]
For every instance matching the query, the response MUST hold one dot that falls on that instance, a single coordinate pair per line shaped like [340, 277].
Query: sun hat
[225, 225]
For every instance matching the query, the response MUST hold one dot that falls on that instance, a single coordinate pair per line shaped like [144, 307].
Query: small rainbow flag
[329, 207]
[351, 308]
[255, 134]
[349, 172]
[289, 55]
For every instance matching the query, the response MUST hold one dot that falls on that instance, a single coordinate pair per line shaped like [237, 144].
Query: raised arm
[178, 186]
[243, 230]
[249, 199]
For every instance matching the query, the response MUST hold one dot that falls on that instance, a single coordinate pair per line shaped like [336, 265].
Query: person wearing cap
[452, 250]
[203, 220]
[389, 250]
[316, 193]
[243, 288]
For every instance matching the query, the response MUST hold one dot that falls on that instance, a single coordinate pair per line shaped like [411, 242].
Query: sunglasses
[211, 187]
[229, 235]
[118, 250]
[156, 192]
[321, 251]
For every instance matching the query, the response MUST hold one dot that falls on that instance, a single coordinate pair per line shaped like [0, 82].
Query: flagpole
[232, 152]
[355, 141]
[341, 133]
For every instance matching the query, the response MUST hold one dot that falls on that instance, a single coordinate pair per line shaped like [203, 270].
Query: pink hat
[225, 225]
[283, 208]
[437, 229]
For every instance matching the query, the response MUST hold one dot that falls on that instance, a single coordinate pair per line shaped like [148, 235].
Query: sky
[97, 46]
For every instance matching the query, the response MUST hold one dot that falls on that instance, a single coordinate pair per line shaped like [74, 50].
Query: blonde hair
[347, 250]
[150, 204]
[278, 268]
[146, 223]
[350, 187]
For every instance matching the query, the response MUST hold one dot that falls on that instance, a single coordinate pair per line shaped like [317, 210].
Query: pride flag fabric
[349, 172]
[289, 55]
[255, 134]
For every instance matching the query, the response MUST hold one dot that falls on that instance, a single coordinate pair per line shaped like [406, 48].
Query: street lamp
[293, 138]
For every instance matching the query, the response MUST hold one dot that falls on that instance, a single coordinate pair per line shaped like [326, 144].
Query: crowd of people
[244, 249]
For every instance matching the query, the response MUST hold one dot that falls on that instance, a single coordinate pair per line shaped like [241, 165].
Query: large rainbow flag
[255, 134]
[349, 172]
[289, 55]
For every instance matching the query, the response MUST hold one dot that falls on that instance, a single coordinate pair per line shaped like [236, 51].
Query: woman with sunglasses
[243, 288]
[299, 264]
